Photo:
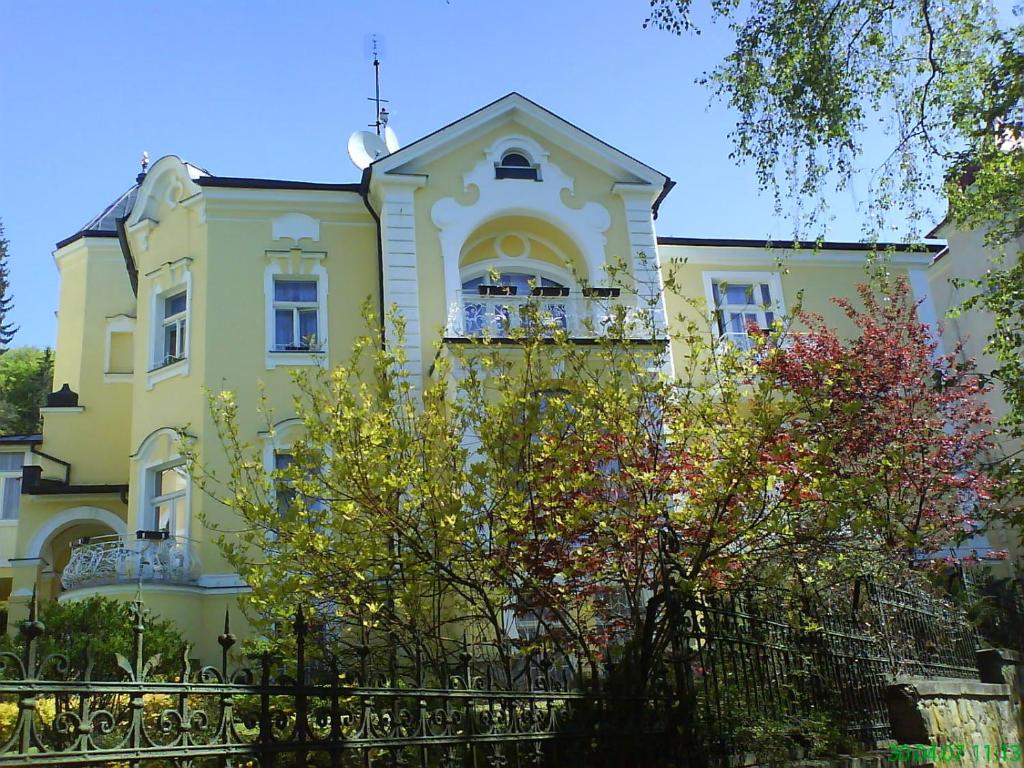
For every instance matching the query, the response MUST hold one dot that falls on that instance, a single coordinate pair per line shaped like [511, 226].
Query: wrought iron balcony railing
[577, 314]
[99, 560]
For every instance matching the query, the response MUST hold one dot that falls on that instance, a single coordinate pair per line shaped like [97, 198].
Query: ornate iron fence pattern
[740, 660]
[308, 713]
[763, 656]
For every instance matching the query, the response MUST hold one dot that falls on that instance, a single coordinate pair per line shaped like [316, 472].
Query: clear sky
[273, 89]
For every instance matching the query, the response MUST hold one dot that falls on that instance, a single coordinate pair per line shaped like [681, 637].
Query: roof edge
[807, 245]
[84, 233]
[239, 182]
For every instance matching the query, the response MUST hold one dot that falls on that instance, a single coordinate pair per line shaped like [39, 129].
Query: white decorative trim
[637, 201]
[221, 581]
[926, 313]
[534, 118]
[400, 267]
[168, 182]
[54, 524]
[456, 223]
[62, 409]
[129, 589]
[745, 256]
[310, 263]
[166, 280]
[295, 226]
[773, 279]
[117, 324]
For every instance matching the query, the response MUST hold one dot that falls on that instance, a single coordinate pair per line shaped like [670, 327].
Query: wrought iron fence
[761, 660]
[309, 712]
[742, 662]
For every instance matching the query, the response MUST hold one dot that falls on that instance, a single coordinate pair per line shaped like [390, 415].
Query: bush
[105, 626]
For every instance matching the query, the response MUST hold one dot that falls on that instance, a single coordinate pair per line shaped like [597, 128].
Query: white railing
[111, 560]
[578, 315]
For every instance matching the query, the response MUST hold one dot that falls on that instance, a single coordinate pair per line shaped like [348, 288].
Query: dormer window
[516, 165]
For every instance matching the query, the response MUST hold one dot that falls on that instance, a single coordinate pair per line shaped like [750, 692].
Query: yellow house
[191, 282]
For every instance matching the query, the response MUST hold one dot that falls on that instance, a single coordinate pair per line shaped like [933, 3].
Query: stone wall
[974, 720]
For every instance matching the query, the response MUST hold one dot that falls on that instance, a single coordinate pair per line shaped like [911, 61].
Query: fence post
[266, 726]
[227, 702]
[301, 703]
[31, 631]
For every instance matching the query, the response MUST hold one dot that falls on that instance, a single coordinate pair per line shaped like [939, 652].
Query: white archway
[71, 517]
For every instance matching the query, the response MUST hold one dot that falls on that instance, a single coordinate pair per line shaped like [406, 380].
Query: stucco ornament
[542, 199]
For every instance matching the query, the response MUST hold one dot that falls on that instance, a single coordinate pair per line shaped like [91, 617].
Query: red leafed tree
[898, 431]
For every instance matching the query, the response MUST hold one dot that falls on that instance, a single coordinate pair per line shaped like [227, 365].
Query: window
[489, 306]
[10, 476]
[515, 165]
[284, 494]
[296, 315]
[173, 343]
[742, 303]
[167, 508]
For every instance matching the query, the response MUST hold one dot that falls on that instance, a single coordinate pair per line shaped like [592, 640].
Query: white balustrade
[111, 560]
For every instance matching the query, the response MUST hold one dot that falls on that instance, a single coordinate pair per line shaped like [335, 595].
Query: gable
[519, 112]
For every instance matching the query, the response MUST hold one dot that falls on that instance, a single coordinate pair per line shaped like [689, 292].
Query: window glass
[11, 461]
[174, 305]
[170, 480]
[283, 327]
[11, 498]
[515, 160]
[295, 290]
[307, 325]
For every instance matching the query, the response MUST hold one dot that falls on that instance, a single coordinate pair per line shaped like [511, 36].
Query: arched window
[496, 302]
[516, 165]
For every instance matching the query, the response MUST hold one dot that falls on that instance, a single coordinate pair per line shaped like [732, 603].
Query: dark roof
[245, 183]
[807, 245]
[20, 439]
[104, 224]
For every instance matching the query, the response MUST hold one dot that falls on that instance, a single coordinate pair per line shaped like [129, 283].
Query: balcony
[154, 557]
[578, 314]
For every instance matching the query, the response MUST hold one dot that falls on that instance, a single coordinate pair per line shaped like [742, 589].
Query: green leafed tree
[26, 377]
[818, 87]
[554, 492]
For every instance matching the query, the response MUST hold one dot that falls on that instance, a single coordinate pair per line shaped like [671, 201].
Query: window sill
[167, 371]
[111, 377]
[8, 522]
[286, 357]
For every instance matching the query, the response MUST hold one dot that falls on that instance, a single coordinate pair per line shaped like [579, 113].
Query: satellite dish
[365, 147]
[391, 139]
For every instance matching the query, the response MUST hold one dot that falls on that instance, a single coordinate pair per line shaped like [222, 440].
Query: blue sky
[273, 89]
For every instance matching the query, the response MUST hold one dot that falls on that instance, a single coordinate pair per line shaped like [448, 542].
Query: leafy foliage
[7, 329]
[26, 378]
[554, 493]
[810, 81]
[105, 627]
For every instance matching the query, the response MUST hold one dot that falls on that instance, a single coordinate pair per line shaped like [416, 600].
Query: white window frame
[118, 324]
[182, 528]
[179, 279]
[296, 308]
[773, 281]
[295, 265]
[5, 477]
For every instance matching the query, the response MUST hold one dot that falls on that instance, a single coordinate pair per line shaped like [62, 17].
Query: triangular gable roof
[536, 117]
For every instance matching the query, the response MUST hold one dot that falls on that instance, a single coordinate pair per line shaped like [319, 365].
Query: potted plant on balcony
[497, 290]
[594, 292]
[549, 290]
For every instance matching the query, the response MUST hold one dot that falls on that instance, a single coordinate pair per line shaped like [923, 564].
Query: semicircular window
[515, 165]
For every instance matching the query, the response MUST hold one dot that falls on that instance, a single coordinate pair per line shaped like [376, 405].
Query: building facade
[191, 282]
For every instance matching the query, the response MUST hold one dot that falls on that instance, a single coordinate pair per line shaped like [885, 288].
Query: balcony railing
[578, 315]
[99, 560]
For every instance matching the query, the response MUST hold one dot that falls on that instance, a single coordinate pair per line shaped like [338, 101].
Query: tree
[577, 486]
[942, 83]
[26, 378]
[7, 329]
[810, 81]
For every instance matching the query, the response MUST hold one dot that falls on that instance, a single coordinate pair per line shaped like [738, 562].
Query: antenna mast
[381, 116]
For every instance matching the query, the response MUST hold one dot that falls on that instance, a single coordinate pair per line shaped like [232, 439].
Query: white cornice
[533, 117]
[713, 256]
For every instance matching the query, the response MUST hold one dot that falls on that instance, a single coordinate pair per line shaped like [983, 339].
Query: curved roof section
[104, 224]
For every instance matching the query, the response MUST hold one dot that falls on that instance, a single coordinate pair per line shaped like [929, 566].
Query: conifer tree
[7, 328]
